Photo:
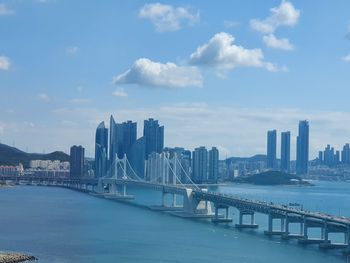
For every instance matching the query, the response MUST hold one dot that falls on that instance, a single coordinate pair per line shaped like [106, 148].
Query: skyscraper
[213, 165]
[101, 149]
[271, 149]
[285, 151]
[154, 136]
[303, 148]
[200, 165]
[345, 154]
[137, 157]
[76, 161]
[129, 136]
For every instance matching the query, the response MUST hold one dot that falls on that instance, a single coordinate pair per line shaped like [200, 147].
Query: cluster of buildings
[48, 165]
[48, 168]
[332, 158]
[147, 157]
[302, 150]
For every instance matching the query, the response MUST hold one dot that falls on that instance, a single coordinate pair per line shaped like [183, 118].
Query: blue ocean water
[60, 225]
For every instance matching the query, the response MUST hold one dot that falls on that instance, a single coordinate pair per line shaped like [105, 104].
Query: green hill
[271, 178]
[13, 156]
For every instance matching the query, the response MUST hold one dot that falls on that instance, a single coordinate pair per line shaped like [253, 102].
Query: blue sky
[213, 74]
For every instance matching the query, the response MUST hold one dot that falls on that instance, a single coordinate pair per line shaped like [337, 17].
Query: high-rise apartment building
[302, 148]
[271, 149]
[76, 161]
[285, 151]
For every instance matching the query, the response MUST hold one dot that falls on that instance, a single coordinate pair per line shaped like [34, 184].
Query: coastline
[11, 257]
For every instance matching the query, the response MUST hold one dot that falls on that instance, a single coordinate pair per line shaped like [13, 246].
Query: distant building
[154, 136]
[285, 151]
[345, 154]
[137, 157]
[129, 136]
[213, 165]
[101, 149]
[271, 149]
[200, 165]
[302, 148]
[76, 161]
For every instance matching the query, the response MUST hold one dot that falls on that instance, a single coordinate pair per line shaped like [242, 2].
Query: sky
[213, 73]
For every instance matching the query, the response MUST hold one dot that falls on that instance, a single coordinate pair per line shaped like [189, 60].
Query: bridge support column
[242, 225]
[270, 231]
[221, 218]
[174, 200]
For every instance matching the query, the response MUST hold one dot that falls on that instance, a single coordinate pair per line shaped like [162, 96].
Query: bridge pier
[242, 225]
[307, 240]
[331, 228]
[221, 218]
[283, 223]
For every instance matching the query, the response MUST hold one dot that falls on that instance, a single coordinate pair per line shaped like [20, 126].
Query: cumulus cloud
[280, 43]
[221, 52]
[283, 15]
[5, 63]
[346, 58]
[167, 17]
[154, 74]
[44, 97]
[5, 11]
[120, 92]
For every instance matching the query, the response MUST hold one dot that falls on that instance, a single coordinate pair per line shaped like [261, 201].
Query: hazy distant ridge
[12, 156]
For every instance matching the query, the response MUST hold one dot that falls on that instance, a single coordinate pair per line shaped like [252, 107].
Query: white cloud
[280, 43]
[44, 97]
[5, 63]
[346, 58]
[72, 50]
[80, 101]
[154, 74]
[167, 17]
[222, 53]
[202, 120]
[120, 92]
[4, 10]
[283, 15]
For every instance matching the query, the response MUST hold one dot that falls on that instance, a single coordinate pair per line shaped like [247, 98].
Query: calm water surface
[59, 225]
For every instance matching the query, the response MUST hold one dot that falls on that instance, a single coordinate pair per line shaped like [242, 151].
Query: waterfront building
[213, 165]
[271, 149]
[302, 148]
[183, 157]
[320, 157]
[76, 161]
[129, 136]
[154, 136]
[345, 154]
[329, 158]
[101, 149]
[137, 157]
[285, 151]
[200, 165]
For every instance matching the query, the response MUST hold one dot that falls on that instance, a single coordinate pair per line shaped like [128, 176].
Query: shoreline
[12, 257]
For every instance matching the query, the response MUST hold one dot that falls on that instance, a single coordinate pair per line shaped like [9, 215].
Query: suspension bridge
[198, 202]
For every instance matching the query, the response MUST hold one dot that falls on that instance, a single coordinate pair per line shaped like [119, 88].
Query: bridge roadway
[214, 197]
[193, 197]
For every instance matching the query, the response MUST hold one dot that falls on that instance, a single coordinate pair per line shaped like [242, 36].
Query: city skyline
[81, 78]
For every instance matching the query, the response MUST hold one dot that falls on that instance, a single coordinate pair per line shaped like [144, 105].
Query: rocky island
[7, 257]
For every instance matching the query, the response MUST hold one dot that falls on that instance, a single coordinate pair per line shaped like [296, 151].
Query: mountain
[13, 156]
[255, 158]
